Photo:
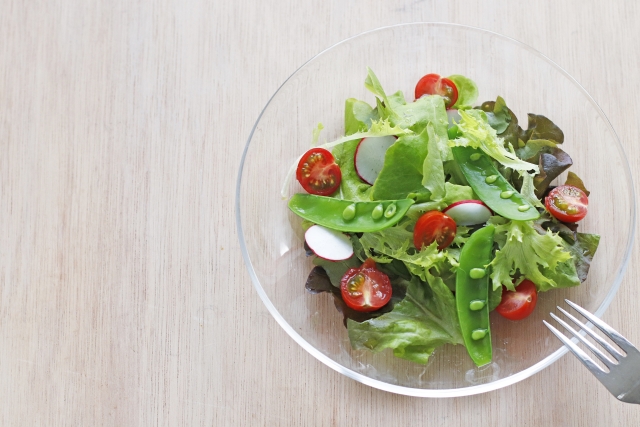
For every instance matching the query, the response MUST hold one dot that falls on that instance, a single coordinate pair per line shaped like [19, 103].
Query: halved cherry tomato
[434, 226]
[365, 288]
[433, 84]
[518, 304]
[318, 172]
[567, 203]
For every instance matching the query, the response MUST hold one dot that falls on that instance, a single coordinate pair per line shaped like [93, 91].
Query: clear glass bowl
[271, 237]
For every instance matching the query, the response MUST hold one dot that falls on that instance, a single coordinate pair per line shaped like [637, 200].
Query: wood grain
[124, 298]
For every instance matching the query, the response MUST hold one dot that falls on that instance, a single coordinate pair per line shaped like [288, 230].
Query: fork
[623, 378]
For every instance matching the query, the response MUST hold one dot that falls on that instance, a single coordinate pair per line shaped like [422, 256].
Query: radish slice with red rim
[468, 212]
[329, 244]
[369, 157]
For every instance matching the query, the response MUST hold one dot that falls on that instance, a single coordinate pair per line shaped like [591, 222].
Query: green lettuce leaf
[425, 319]
[512, 133]
[351, 186]
[414, 116]
[417, 115]
[531, 149]
[495, 297]
[401, 173]
[477, 133]
[316, 134]
[499, 116]
[396, 100]
[432, 168]
[523, 251]
[372, 83]
[454, 173]
[358, 116]
[455, 193]
[467, 91]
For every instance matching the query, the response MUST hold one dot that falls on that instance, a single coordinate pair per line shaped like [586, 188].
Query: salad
[429, 214]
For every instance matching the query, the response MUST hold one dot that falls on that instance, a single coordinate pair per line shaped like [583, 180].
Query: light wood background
[124, 300]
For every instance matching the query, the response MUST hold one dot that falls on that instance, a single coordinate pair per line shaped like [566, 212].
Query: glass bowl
[271, 238]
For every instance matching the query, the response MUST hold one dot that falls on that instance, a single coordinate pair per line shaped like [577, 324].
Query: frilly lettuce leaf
[528, 191]
[380, 127]
[411, 115]
[467, 91]
[564, 276]
[397, 243]
[425, 319]
[523, 251]
[477, 133]
[462, 235]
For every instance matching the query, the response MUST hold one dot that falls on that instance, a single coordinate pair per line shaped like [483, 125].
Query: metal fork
[623, 378]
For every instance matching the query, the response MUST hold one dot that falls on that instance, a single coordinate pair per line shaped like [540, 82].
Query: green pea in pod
[347, 215]
[472, 294]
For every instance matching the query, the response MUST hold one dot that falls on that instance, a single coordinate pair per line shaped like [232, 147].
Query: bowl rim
[452, 392]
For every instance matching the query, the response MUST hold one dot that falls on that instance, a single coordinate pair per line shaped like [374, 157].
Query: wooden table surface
[124, 297]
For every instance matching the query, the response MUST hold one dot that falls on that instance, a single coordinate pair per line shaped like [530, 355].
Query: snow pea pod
[491, 187]
[472, 294]
[347, 215]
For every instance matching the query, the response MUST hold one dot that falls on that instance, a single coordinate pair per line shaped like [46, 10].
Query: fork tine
[608, 362]
[577, 351]
[614, 352]
[608, 330]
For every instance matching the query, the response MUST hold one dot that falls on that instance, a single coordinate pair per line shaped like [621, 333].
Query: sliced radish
[468, 212]
[328, 244]
[454, 117]
[369, 157]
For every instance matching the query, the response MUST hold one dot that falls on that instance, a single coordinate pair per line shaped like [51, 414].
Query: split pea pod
[491, 187]
[347, 215]
[472, 294]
